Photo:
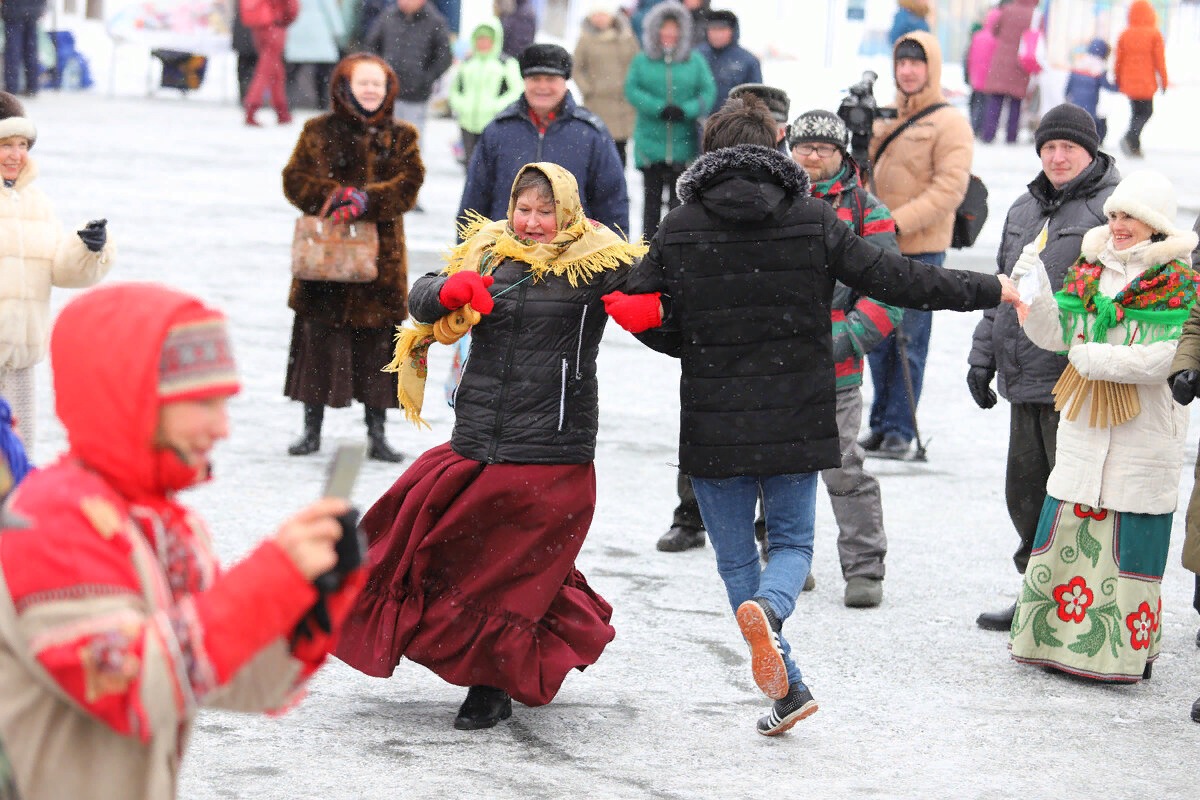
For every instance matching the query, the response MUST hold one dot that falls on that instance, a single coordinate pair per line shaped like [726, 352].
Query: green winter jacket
[486, 83]
[657, 79]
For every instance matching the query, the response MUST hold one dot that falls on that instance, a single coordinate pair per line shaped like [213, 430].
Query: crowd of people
[1090, 325]
[1001, 63]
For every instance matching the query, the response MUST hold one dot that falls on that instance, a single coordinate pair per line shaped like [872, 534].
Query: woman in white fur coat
[36, 252]
[1090, 604]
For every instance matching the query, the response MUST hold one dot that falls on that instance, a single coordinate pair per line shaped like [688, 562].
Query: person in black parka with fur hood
[738, 284]
[342, 335]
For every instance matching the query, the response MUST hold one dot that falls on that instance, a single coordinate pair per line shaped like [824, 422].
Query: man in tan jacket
[921, 175]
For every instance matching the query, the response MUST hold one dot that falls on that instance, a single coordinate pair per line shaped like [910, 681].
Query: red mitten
[466, 287]
[634, 312]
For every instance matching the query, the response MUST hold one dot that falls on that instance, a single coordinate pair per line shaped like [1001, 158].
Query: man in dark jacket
[731, 64]
[20, 44]
[545, 124]
[1067, 197]
[738, 284]
[413, 38]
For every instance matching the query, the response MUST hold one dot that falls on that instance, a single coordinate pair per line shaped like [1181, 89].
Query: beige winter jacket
[602, 59]
[1132, 467]
[37, 252]
[922, 177]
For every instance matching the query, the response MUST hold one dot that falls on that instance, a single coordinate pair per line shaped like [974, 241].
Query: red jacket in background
[265, 13]
[1139, 61]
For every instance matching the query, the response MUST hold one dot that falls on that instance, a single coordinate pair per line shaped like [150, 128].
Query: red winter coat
[1005, 75]
[265, 13]
[1139, 63]
[116, 620]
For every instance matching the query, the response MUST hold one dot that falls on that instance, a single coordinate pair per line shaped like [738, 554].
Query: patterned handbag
[324, 250]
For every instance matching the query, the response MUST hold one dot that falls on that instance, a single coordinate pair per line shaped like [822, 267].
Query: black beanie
[544, 59]
[1069, 122]
[819, 127]
[910, 48]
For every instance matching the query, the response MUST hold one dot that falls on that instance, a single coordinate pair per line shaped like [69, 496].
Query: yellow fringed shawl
[581, 250]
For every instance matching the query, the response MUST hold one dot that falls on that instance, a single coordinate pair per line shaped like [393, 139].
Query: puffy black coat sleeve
[647, 277]
[423, 303]
[901, 281]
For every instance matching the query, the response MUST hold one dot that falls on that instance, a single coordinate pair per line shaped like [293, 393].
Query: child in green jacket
[487, 82]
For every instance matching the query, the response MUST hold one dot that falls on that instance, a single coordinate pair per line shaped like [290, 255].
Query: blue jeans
[727, 506]
[20, 50]
[890, 411]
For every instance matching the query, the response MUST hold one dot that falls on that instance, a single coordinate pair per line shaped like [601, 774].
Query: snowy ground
[916, 702]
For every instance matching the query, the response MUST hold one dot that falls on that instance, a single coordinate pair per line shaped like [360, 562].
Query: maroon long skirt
[472, 574]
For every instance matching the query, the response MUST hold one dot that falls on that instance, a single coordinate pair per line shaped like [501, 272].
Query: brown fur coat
[378, 155]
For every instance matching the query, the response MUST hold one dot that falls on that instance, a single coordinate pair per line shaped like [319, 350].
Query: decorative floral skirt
[1090, 603]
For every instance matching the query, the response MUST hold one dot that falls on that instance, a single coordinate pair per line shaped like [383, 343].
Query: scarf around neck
[581, 250]
[1158, 301]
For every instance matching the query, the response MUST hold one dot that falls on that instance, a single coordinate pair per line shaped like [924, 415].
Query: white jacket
[1132, 467]
[36, 252]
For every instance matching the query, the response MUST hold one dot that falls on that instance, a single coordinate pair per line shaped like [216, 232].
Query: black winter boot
[310, 442]
[483, 708]
[378, 448]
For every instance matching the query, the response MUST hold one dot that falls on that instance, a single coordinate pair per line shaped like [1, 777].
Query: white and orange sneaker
[760, 629]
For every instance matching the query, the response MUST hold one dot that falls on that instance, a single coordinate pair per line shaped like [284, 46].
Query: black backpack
[972, 211]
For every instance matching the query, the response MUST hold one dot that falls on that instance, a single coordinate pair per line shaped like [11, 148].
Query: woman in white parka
[35, 254]
[1090, 604]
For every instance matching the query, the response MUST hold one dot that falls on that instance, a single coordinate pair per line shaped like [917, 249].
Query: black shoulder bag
[972, 211]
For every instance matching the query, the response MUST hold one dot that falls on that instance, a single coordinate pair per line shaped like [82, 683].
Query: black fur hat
[13, 121]
[544, 59]
[777, 100]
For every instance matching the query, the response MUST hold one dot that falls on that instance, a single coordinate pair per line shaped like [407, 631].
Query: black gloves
[671, 113]
[1185, 385]
[979, 381]
[94, 235]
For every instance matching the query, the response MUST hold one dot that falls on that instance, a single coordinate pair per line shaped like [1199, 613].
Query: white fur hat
[13, 121]
[1148, 196]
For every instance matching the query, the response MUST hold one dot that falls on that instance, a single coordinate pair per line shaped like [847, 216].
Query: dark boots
[378, 448]
[483, 708]
[310, 442]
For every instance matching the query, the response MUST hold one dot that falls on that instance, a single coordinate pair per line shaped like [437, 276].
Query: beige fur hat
[13, 121]
[1148, 196]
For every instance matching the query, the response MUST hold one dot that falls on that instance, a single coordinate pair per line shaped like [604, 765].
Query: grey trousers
[416, 114]
[16, 386]
[855, 496]
[1032, 435]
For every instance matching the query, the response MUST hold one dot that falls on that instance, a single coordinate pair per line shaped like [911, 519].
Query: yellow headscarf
[580, 250]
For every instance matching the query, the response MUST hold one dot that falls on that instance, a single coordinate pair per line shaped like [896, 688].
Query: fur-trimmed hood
[744, 183]
[653, 24]
[1178, 244]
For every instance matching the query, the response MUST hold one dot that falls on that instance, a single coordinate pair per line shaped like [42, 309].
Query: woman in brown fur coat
[342, 335]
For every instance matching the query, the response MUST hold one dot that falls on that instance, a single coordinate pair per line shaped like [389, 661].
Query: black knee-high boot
[310, 442]
[378, 447]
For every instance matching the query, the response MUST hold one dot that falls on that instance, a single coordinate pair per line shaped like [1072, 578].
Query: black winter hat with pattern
[819, 127]
[544, 59]
[13, 121]
[1069, 122]
[911, 48]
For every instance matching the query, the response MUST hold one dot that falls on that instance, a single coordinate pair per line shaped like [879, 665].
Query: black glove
[94, 235]
[671, 113]
[979, 381]
[1185, 385]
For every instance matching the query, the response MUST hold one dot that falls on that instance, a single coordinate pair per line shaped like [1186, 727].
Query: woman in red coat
[1006, 78]
[1140, 67]
[268, 21]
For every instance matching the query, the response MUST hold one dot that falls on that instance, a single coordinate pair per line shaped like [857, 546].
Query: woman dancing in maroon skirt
[472, 559]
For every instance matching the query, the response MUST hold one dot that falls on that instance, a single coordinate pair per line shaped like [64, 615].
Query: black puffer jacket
[750, 261]
[528, 393]
[1026, 372]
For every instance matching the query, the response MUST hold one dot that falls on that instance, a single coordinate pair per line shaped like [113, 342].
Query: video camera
[859, 111]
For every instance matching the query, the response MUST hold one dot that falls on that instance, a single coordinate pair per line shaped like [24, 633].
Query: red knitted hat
[197, 358]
